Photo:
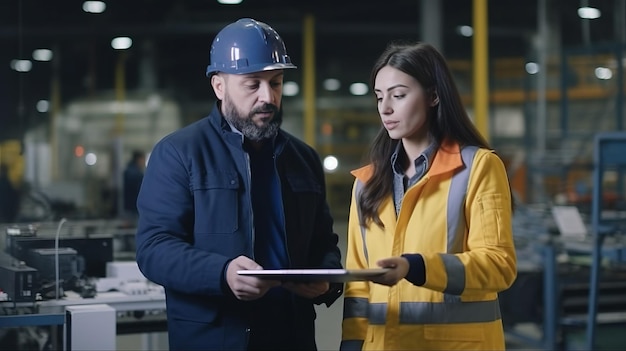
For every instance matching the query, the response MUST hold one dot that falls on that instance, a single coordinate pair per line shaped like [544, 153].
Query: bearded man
[231, 192]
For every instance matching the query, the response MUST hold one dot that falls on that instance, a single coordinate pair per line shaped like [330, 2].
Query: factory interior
[83, 84]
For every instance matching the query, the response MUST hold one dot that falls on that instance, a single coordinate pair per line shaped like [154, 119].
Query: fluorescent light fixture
[466, 31]
[532, 68]
[332, 84]
[230, 2]
[21, 65]
[358, 89]
[94, 6]
[588, 12]
[42, 55]
[290, 89]
[121, 43]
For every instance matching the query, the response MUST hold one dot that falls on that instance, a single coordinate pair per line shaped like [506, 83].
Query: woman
[434, 206]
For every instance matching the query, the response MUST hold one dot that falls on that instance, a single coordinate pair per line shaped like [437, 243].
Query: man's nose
[266, 93]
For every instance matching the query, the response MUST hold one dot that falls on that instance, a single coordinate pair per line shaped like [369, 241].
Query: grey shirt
[400, 182]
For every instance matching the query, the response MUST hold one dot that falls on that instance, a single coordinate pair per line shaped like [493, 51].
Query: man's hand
[309, 290]
[399, 268]
[247, 288]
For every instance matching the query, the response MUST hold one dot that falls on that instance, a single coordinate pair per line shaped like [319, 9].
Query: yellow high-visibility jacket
[458, 217]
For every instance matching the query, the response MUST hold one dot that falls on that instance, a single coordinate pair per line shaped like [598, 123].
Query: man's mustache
[265, 108]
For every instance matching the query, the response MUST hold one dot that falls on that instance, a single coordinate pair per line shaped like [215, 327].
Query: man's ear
[219, 86]
[435, 100]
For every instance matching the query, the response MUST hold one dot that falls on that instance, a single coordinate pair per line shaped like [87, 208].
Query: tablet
[329, 275]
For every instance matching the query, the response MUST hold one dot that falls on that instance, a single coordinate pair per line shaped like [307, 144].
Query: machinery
[572, 281]
[50, 283]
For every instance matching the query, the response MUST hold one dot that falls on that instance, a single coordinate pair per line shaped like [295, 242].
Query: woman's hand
[398, 269]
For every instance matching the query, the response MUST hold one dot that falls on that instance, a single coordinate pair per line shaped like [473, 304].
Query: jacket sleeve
[164, 238]
[356, 299]
[488, 262]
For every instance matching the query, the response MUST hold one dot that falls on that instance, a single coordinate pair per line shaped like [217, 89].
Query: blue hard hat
[247, 46]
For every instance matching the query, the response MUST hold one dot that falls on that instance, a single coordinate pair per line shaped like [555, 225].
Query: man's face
[251, 102]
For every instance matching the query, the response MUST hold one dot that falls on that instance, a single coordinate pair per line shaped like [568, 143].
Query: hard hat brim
[250, 69]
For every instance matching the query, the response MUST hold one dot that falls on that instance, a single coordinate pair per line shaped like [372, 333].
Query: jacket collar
[447, 158]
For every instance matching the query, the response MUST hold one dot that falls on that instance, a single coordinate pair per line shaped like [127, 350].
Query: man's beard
[246, 126]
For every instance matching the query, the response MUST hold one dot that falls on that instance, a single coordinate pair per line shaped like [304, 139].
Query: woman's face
[403, 104]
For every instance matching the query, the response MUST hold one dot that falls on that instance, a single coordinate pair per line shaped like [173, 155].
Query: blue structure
[609, 155]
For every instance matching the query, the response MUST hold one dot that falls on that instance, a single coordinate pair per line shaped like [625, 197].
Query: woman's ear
[219, 86]
[435, 100]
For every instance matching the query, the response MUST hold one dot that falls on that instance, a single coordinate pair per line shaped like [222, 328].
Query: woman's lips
[390, 124]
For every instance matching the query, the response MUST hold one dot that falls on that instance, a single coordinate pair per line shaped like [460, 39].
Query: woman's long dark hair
[447, 120]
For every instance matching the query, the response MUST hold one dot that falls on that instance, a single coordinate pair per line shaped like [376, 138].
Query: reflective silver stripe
[456, 201]
[359, 307]
[444, 313]
[377, 313]
[455, 270]
[456, 223]
[357, 195]
[449, 298]
[355, 307]
[425, 312]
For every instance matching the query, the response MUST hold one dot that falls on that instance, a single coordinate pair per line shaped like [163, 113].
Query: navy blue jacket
[195, 216]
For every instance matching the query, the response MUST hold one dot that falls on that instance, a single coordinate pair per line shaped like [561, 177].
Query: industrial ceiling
[177, 35]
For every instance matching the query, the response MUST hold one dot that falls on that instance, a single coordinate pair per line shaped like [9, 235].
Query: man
[133, 176]
[9, 197]
[233, 191]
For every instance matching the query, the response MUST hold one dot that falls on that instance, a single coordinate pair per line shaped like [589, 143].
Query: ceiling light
[43, 106]
[42, 55]
[331, 163]
[290, 89]
[588, 13]
[532, 68]
[465, 31]
[21, 65]
[603, 73]
[230, 2]
[358, 89]
[94, 6]
[91, 159]
[332, 84]
[121, 43]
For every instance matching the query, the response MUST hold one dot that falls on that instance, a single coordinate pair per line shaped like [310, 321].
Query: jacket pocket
[216, 202]
[493, 224]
